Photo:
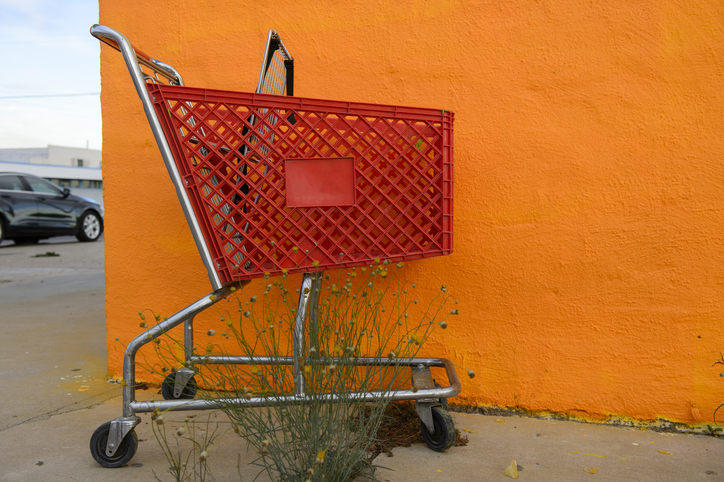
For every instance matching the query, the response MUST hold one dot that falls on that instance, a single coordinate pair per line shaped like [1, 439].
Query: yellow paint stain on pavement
[592, 455]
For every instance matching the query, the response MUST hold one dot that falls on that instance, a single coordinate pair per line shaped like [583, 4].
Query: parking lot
[53, 328]
[78, 267]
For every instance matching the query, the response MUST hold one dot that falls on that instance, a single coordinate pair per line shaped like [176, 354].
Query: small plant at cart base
[368, 312]
[187, 446]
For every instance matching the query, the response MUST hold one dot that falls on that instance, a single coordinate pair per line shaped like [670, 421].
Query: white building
[75, 168]
[54, 156]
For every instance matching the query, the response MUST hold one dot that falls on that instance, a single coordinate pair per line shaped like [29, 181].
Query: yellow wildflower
[320, 457]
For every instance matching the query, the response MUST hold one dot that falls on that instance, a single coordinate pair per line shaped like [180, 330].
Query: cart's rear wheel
[126, 450]
[444, 436]
[188, 392]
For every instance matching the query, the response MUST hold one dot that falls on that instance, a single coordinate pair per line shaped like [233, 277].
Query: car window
[39, 185]
[11, 183]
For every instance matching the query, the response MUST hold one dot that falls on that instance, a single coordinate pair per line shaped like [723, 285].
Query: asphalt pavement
[54, 393]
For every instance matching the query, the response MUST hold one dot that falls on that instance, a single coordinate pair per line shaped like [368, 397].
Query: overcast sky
[46, 50]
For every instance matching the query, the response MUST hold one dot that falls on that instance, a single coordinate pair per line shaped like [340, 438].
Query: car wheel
[91, 227]
[2, 229]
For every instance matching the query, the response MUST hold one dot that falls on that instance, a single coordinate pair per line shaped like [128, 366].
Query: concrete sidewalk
[55, 394]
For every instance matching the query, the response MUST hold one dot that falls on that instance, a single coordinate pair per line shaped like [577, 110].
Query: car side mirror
[66, 192]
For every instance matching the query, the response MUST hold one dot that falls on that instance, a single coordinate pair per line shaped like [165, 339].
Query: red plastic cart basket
[287, 183]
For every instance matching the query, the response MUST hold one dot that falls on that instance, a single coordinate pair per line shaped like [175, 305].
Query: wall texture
[589, 185]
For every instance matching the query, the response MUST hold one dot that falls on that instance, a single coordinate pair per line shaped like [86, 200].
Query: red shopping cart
[273, 184]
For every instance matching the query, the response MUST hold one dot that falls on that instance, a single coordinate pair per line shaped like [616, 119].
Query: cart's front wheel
[444, 436]
[167, 388]
[123, 455]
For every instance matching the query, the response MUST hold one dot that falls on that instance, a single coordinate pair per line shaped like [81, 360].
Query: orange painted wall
[589, 182]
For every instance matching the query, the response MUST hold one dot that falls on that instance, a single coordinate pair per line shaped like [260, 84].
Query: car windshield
[40, 185]
[11, 183]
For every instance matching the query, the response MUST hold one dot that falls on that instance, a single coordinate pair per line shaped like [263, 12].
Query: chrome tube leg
[314, 301]
[188, 339]
[304, 295]
[129, 358]
[129, 378]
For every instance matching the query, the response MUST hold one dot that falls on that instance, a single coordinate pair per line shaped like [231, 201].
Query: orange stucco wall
[589, 182]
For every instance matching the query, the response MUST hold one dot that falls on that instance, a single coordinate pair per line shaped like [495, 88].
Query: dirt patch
[401, 428]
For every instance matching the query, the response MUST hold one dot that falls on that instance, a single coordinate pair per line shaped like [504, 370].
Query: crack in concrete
[60, 411]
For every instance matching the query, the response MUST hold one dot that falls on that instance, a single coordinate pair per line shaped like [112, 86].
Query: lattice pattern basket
[289, 184]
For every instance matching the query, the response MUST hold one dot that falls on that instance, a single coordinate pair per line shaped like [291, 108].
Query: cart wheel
[187, 393]
[125, 451]
[444, 436]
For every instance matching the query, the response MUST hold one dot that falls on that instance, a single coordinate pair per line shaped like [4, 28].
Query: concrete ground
[54, 394]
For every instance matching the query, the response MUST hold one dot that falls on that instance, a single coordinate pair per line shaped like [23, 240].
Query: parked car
[32, 209]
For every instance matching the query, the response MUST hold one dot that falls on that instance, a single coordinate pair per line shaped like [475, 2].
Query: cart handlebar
[116, 40]
[135, 60]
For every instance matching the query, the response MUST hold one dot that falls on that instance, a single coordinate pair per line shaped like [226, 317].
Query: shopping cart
[273, 184]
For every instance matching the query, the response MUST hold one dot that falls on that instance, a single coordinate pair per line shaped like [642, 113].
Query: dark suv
[32, 209]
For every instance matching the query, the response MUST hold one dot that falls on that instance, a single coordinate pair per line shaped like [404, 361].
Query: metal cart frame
[114, 443]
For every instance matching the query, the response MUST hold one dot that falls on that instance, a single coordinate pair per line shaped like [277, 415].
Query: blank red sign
[320, 182]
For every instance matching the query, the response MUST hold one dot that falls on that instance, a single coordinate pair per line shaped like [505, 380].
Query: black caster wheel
[188, 392]
[125, 451]
[444, 436]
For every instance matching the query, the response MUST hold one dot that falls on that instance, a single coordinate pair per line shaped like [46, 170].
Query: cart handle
[114, 39]
[134, 59]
